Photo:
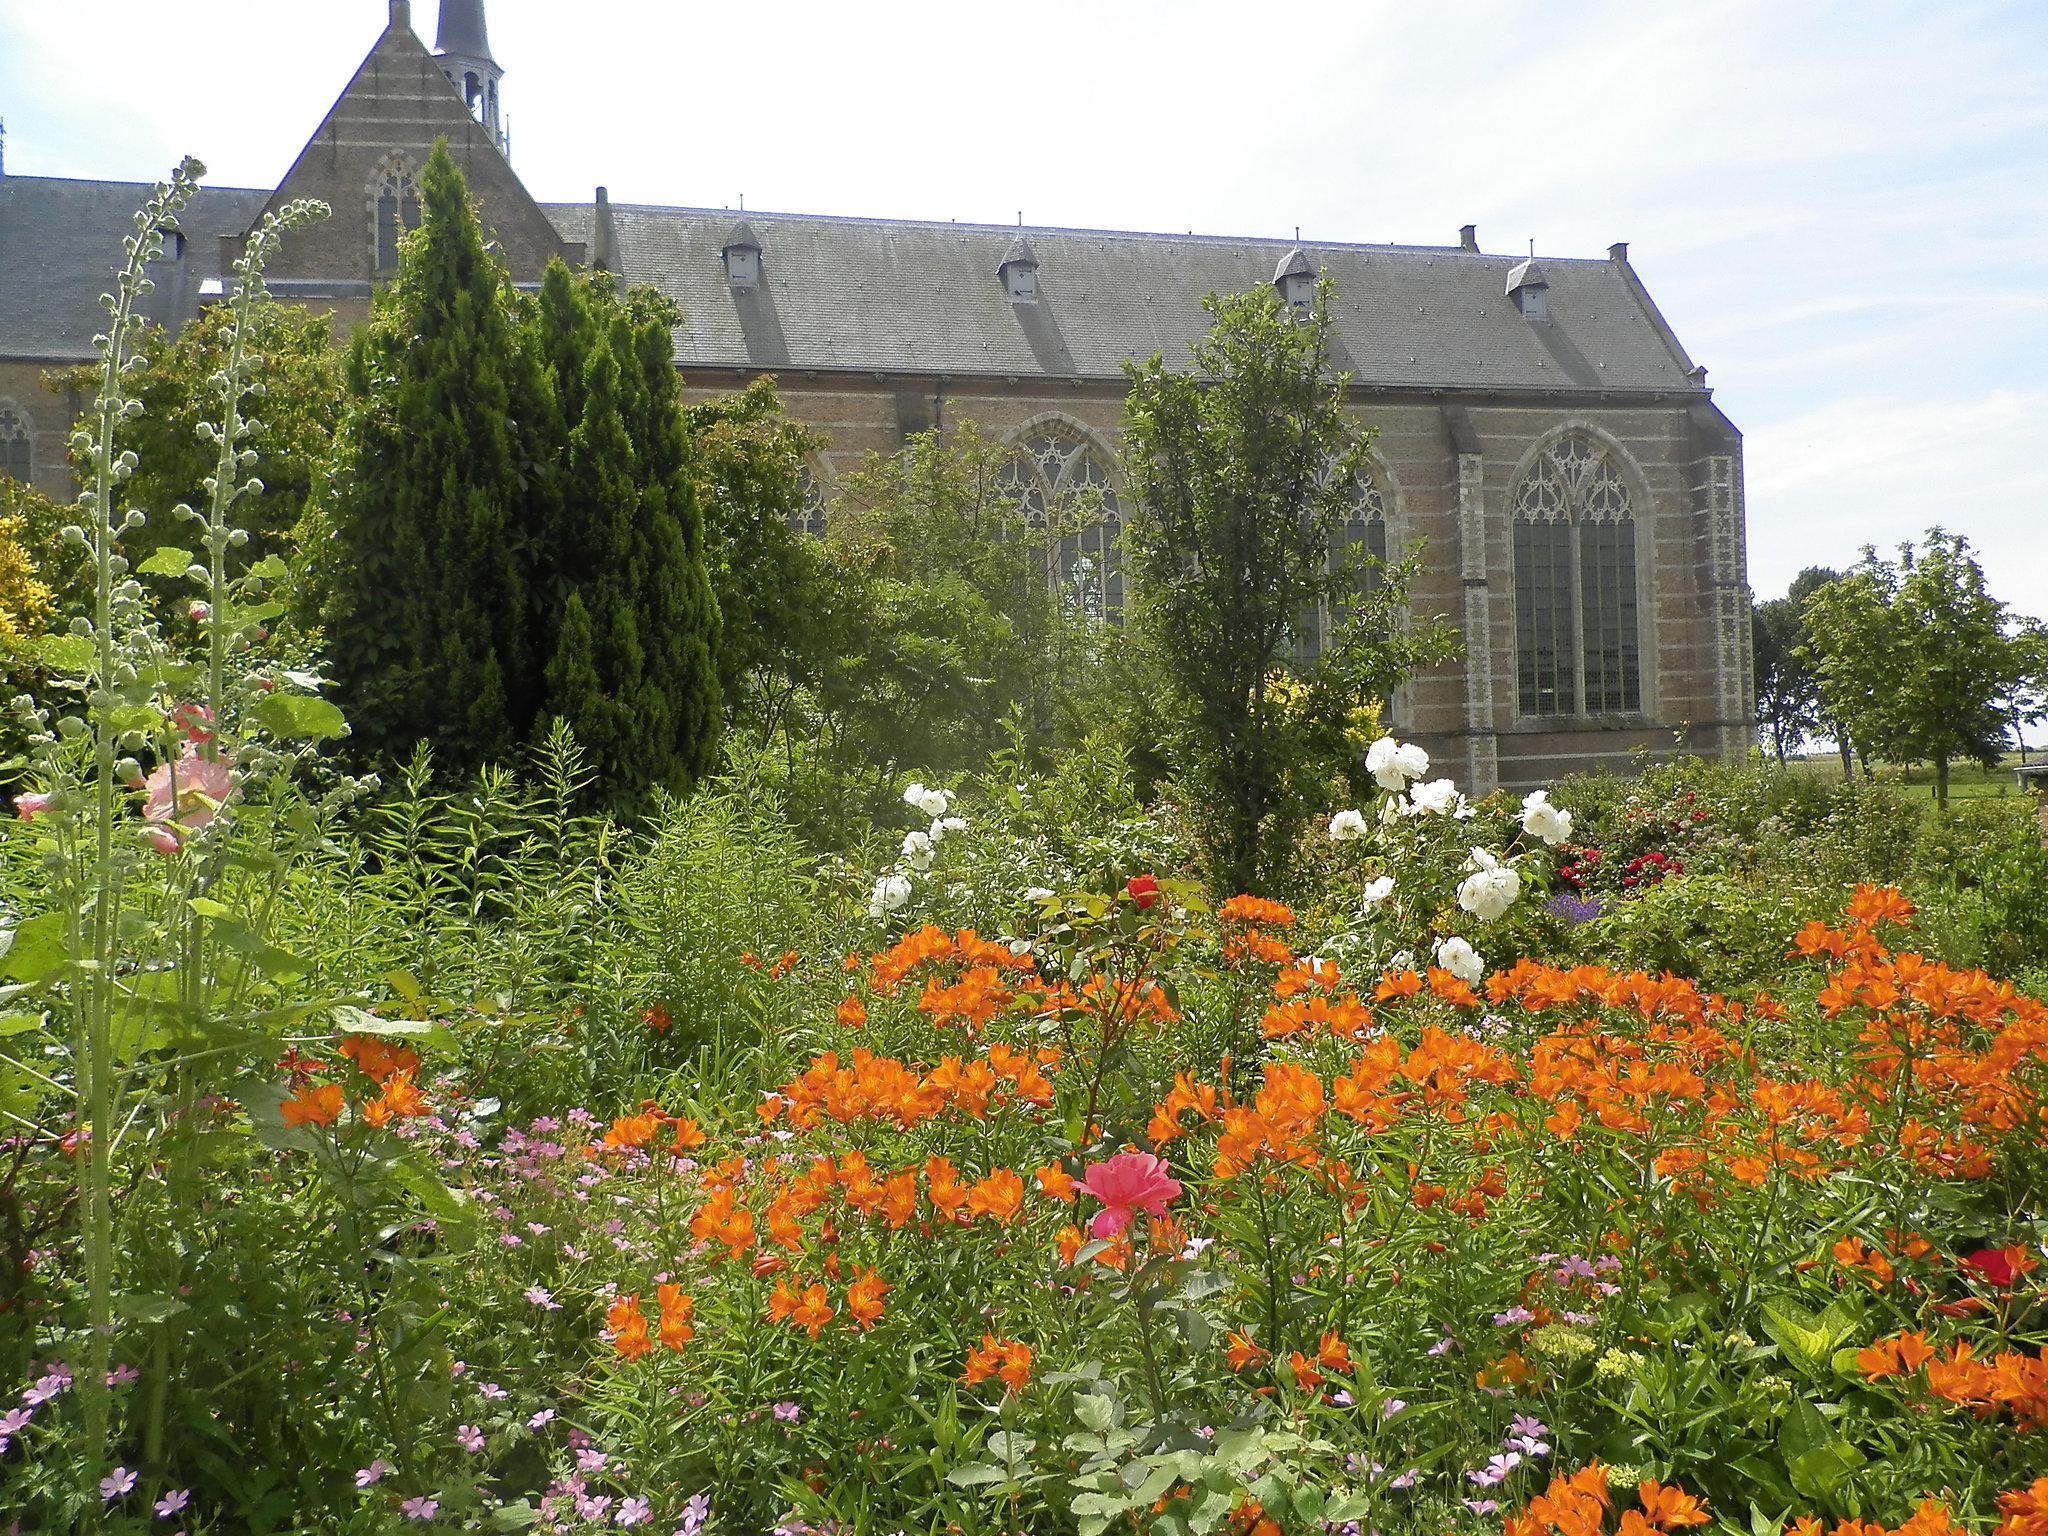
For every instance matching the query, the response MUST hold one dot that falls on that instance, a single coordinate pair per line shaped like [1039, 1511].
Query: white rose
[890, 894]
[946, 825]
[1393, 763]
[1378, 891]
[929, 802]
[917, 851]
[1491, 888]
[1461, 960]
[1346, 827]
[1439, 797]
[1542, 819]
[1401, 960]
[1038, 893]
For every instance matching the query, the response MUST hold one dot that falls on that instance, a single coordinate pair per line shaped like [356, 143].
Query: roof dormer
[1019, 272]
[1295, 277]
[1530, 290]
[742, 255]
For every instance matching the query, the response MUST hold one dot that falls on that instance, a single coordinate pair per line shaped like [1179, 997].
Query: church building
[1539, 424]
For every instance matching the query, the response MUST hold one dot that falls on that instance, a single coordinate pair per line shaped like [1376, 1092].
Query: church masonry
[1540, 426]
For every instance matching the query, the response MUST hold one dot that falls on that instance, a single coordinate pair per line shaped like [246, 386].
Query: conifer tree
[435, 503]
[622, 601]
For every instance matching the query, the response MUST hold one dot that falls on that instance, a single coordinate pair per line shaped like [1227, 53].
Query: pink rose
[1128, 1183]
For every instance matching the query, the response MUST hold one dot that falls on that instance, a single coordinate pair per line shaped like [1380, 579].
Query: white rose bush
[1438, 871]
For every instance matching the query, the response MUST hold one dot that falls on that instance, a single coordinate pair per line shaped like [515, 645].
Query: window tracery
[1064, 486]
[1363, 532]
[1577, 640]
[395, 208]
[808, 517]
[17, 446]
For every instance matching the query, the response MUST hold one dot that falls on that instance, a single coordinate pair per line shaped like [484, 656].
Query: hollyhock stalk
[96, 917]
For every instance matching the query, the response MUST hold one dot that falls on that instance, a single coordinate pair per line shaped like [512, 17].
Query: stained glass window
[1577, 625]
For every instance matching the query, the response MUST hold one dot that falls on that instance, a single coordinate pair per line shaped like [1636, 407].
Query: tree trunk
[1941, 782]
[1843, 746]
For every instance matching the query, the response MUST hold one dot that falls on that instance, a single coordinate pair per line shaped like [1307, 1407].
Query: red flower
[1128, 1183]
[2000, 1266]
[1143, 891]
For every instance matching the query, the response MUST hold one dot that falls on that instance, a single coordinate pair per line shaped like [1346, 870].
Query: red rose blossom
[1143, 891]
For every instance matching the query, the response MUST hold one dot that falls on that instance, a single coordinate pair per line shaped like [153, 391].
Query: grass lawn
[1965, 780]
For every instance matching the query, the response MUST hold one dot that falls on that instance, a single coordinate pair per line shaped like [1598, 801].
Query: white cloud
[1866, 470]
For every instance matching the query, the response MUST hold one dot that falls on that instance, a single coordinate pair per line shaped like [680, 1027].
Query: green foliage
[291, 371]
[438, 496]
[1241, 471]
[1788, 704]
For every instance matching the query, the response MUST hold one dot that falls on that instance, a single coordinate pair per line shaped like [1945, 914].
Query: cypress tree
[622, 601]
[437, 498]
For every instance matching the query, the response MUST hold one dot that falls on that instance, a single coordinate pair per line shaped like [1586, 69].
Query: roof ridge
[144, 187]
[977, 227]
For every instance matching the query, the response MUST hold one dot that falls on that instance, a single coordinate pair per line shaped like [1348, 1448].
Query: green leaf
[300, 717]
[147, 1307]
[69, 654]
[977, 1474]
[35, 950]
[1097, 1410]
[351, 1020]
[206, 906]
[19, 1024]
[167, 561]
[1807, 1342]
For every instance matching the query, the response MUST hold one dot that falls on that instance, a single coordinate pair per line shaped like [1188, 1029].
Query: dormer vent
[1530, 290]
[1295, 277]
[1019, 272]
[742, 257]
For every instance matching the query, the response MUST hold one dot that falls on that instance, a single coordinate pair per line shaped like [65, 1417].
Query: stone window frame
[1642, 519]
[24, 433]
[1092, 446]
[394, 174]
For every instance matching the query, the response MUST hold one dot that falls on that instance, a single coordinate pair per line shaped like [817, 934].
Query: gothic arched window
[17, 449]
[1063, 483]
[809, 518]
[1362, 532]
[395, 208]
[1577, 646]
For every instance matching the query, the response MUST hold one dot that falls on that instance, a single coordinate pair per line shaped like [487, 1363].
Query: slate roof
[60, 244]
[461, 30]
[895, 296]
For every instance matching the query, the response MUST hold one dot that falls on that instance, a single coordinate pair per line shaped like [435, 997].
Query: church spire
[463, 45]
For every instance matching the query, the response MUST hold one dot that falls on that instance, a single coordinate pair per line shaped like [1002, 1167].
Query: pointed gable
[376, 138]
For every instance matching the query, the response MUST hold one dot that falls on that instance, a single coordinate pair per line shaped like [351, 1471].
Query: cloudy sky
[1842, 208]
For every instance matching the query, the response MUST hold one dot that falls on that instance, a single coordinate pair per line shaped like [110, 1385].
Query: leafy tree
[1241, 473]
[293, 371]
[1917, 659]
[1788, 703]
[438, 493]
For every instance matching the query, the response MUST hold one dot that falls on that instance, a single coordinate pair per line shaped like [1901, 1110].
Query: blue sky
[1842, 209]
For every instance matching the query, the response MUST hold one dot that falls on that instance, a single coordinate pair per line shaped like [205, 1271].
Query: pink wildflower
[116, 1483]
[1126, 1184]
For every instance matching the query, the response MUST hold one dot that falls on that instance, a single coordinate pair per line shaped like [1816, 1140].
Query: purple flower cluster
[1575, 909]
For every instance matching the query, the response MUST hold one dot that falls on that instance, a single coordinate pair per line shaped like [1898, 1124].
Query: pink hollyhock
[29, 807]
[1128, 1183]
[202, 786]
[195, 720]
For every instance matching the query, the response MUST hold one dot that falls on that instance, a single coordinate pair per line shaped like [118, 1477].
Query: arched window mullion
[1579, 648]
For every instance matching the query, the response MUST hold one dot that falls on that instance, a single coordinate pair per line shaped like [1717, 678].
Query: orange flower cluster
[2025, 1510]
[934, 947]
[400, 1100]
[313, 1105]
[1577, 1505]
[2011, 1380]
[378, 1059]
[1930, 1519]
[881, 1088]
[1251, 929]
[1003, 1359]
